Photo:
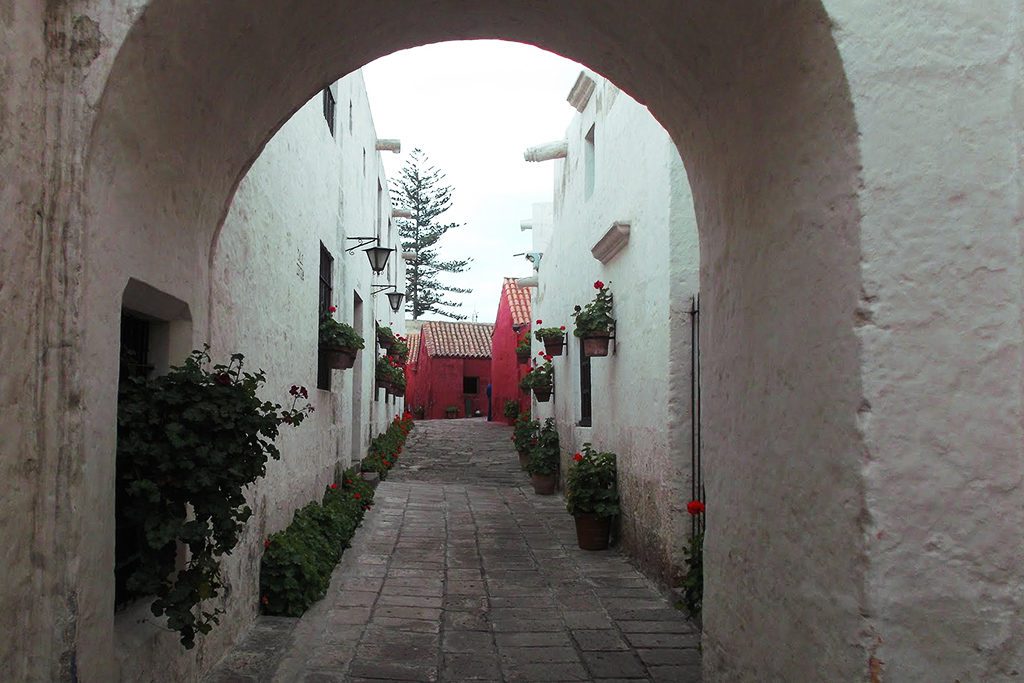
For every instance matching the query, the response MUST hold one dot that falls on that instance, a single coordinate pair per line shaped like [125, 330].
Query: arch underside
[755, 96]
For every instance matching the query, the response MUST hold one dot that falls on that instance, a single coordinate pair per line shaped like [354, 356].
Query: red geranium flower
[348, 481]
[548, 356]
[598, 285]
[334, 486]
[332, 309]
[539, 322]
[266, 543]
[562, 328]
[356, 496]
[577, 457]
[540, 353]
[695, 507]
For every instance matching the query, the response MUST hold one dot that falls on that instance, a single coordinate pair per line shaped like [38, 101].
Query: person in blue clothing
[490, 415]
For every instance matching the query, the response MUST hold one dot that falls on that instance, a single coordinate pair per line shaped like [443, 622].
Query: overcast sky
[474, 107]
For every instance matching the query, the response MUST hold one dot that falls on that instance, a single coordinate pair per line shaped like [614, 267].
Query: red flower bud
[695, 507]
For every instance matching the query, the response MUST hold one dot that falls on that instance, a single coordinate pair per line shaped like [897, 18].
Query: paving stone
[515, 656]
[614, 664]
[471, 667]
[667, 656]
[561, 671]
[532, 639]
[667, 640]
[599, 640]
[676, 674]
[468, 641]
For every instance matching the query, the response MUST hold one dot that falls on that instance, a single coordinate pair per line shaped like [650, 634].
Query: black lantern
[378, 258]
[395, 299]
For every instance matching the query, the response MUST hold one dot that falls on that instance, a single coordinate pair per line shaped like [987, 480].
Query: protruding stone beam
[525, 282]
[400, 213]
[580, 94]
[389, 146]
[612, 242]
[547, 152]
[525, 225]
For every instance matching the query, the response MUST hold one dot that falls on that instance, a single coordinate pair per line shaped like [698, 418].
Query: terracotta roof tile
[518, 301]
[413, 340]
[457, 340]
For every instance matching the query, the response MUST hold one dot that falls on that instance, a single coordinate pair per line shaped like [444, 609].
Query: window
[329, 106]
[588, 163]
[470, 385]
[585, 407]
[323, 373]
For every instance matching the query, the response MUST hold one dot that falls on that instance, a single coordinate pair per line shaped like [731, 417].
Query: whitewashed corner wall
[307, 187]
[641, 394]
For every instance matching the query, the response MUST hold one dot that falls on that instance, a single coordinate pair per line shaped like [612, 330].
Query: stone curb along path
[461, 573]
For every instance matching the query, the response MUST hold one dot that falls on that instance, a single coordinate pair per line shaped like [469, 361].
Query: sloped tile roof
[518, 301]
[413, 340]
[457, 340]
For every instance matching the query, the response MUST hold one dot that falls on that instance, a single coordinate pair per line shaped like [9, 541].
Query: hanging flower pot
[553, 339]
[384, 384]
[338, 359]
[540, 379]
[386, 338]
[592, 531]
[543, 484]
[594, 322]
[595, 344]
[523, 355]
[543, 394]
[338, 341]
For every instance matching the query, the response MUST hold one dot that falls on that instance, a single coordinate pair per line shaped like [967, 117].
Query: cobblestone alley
[461, 573]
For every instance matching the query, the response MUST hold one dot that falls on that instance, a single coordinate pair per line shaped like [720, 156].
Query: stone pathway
[461, 573]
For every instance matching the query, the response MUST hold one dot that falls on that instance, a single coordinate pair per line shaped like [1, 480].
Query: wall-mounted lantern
[377, 254]
[394, 298]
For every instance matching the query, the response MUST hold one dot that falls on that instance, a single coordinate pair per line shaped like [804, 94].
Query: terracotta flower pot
[524, 460]
[384, 384]
[543, 394]
[553, 347]
[595, 344]
[523, 357]
[592, 531]
[338, 359]
[543, 484]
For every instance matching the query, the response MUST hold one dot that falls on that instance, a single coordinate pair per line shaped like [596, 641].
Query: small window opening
[323, 373]
[470, 385]
[585, 391]
[329, 107]
[588, 163]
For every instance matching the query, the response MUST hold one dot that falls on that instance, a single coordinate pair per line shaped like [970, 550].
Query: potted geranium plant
[553, 339]
[339, 342]
[543, 465]
[386, 338]
[524, 435]
[594, 322]
[389, 374]
[511, 410]
[592, 496]
[540, 379]
[400, 350]
[523, 350]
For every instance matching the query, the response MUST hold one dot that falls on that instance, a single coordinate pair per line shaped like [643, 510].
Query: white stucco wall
[306, 188]
[639, 179]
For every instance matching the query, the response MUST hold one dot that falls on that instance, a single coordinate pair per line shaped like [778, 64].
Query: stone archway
[758, 99]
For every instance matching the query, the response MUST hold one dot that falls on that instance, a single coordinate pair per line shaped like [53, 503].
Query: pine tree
[421, 189]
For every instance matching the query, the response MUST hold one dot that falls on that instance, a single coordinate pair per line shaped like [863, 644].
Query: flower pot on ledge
[595, 344]
[592, 531]
[543, 484]
[543, 394]
[338, 359]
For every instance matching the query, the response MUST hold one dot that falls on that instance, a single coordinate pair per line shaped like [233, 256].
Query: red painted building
[449, 368]
[511, 324]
